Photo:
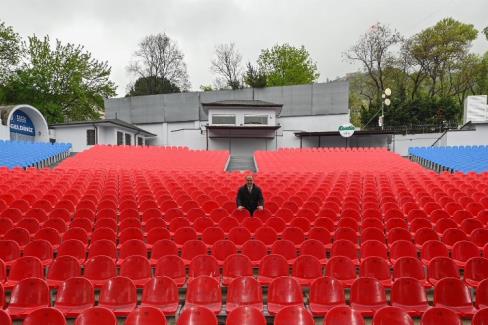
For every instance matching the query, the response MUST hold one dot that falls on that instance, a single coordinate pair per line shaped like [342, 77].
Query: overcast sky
[111, 29]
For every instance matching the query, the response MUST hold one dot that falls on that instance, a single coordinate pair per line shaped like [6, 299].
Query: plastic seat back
[137, 268]
[440, 315]
[9, 250]
[392, 315]
[192, 249]
[408, 292]
[197, 315]
[5, 318]
[28, 295]
[74, 296]
[46, 316]
[103, 247]
[118, 292]
[285, 248]
[96, 315]
[481, 317]
[26, 267]
[146, 315]
[283, 291]
[441, 267]
[307, 267]
[343, 315]
[375, 267]
[296, 315]
[74, 248]
[171, 266]
[63, 268]
[132, 247]
[244, 290]
[245, 315]
[326, 291]
[452, 292]
[204, 265]
[342, 268]
[237, 265]
[99, 268]
[367, 291]
[204, 290]
[161, 292]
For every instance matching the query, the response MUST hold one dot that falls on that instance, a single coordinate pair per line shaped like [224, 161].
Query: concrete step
[241, 163]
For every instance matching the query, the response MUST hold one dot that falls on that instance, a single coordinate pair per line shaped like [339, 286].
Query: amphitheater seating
[31, 154]
[463, 158]
[363, 236]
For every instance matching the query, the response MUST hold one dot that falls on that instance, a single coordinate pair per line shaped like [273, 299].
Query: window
[90, 137]
[120, 138]
[224, 119]
[256, 119]
[140, 141]
[127, 139]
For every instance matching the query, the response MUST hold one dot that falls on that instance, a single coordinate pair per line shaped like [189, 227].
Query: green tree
[254, 77]
[64, 82]
[152, 85]
[485, 31]
[206, 88]
[438, 51]
[10, 54]
[286, 65]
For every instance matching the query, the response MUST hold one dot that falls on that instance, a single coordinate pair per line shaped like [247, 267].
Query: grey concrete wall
[300, 100]
[471, 137]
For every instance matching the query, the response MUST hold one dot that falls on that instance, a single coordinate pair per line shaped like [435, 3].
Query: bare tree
[227, 65]
[373, 51]
[159, 56]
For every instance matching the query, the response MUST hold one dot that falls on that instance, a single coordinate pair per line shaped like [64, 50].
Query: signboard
[346, 130]
[22, 124]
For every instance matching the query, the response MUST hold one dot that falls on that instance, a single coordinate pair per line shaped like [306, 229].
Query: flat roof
[246, 127]
[116, 122]
[336, 133]
[243, 103]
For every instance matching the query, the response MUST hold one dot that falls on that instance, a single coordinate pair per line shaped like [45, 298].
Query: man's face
[249, 181]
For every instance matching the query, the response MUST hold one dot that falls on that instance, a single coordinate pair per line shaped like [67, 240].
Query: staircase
[241, 163]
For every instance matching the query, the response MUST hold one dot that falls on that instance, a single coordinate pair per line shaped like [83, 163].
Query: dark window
[120, 138]
[256, 119]
[127, 139]
[224, 119]
[140, 141]
[90, 137]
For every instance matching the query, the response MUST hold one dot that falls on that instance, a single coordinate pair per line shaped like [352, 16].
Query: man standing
[250, 196]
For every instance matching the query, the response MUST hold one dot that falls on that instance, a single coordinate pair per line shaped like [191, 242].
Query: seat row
[247, 315]
[367, 296]
[305, 269]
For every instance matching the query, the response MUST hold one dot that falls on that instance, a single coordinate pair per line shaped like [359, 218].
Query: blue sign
[21, 123]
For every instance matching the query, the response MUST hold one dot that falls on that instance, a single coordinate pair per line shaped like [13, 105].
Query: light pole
[385, 100]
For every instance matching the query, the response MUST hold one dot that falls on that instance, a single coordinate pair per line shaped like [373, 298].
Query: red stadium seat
[99, 269]
[452, 236]
[343, 315]
[343, 269]
[373, 248]
[410, 267]
[409, 295]
[235, 266]
[285, 248]
[171, 266]
[239, 235]
[440, 315]
[475, 271]
[325, 294]
[440, 268]
[294, 314]
[453, 294]
[20, 235]
[246, 315]
[222, 249]
[74, 248]
[271, 267]
[432, 249]
[9, 251]
[378, 268]
[306, 269]
[196, 315]
[27, 296]
[119, 295]
[132, 247]
[244, 291]
[479, 237]
[204, 265]
[204, 291]
[402, 248]
[96, 315]
[137, 268]
[46, 315]
[345, 248]
[255, 250]
[161, 292]
[104, 233]
[74, 296]
[162, 248]
[102, 247]
[61, 269]
[481, 317]
[146, 315]
[266, 234]
[23, 268]
[191, 249]
[283, 292]
[392, 315]
[212, 235]
[367, 296]
[463, 250]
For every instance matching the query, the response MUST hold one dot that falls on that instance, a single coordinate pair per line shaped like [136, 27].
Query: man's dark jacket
[250, 200]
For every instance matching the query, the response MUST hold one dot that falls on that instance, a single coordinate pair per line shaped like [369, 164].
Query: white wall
[469, 137]
[76, 135]
[240, 113]
[401, 143]
[4, 132]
